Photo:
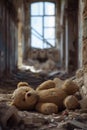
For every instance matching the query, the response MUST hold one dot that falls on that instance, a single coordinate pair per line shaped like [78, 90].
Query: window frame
[44, 27]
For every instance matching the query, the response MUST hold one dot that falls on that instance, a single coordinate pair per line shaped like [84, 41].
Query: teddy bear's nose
[28, 94]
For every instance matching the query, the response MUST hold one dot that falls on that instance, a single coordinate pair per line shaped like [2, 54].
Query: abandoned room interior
[43, 64]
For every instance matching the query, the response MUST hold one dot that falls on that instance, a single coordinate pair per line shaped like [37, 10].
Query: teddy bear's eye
[29, 94]
[23, 99]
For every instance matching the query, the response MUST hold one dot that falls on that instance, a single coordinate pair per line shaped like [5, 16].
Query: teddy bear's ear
[46, 85]
[22, 84]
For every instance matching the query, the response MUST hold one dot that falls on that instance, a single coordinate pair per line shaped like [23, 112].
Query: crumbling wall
[85, 47]
[80, 31]
[72, 11]
[69, 35]
[21, 41]
[8, 37]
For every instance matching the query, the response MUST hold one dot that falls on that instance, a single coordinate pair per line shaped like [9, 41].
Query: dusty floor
[34, 120]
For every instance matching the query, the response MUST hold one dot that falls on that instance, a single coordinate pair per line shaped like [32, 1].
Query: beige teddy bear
[54, 97]
[24, 97]
[49, 97]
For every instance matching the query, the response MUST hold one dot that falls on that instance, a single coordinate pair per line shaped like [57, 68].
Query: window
[42, 24]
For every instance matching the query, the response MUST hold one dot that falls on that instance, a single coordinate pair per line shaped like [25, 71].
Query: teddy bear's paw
[58, 82]
[71, 102]
[70, 87]
[47, 108]
[22, 84]
[46, 85]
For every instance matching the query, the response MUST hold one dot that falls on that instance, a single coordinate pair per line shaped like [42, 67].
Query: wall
[21, 32]
[62, 38]
[26, 30]
[8, 37]
[69, 35]
[85, 47]
[73, 35]
[80, 31]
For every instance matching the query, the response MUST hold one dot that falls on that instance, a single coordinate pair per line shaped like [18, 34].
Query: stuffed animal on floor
[49, 97]
[53, 98]
[24, 97]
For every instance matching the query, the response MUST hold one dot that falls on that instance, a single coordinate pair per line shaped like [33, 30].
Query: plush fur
[47, 108]
[21, 84]
[50, 97]
[53, 98]
[71, 102]
[24, 98]
[58, 82]
[70, 87]
[46, 85]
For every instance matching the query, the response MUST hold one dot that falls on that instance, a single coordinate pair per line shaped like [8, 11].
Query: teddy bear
[53, 98]
[24, 97]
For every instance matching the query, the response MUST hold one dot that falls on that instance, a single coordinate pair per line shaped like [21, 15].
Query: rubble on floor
[13, 119]
[34, 79]
[36, 66]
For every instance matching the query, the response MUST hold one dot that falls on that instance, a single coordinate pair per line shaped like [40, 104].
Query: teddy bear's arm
[46, 85]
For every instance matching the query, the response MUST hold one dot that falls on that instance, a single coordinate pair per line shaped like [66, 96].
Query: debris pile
[23, 120]
[13, 119]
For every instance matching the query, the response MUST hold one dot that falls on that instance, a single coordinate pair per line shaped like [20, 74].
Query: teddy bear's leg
[47, 108]
[71, 102]
[46, 85]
